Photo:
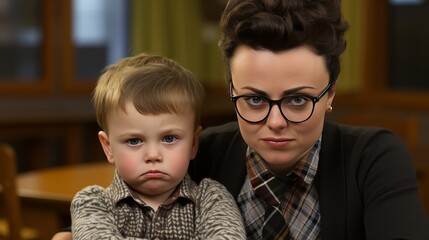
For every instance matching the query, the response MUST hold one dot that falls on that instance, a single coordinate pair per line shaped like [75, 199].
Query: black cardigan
[366, 180]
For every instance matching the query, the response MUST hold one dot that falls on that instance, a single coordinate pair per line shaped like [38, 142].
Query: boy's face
[151, 152]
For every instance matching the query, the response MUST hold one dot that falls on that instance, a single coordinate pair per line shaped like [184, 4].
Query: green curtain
[350, 79]
[177, 29]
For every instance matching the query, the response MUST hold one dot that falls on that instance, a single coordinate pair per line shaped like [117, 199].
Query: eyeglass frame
[277, 102]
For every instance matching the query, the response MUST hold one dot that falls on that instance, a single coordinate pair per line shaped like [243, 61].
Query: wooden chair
[10, 226]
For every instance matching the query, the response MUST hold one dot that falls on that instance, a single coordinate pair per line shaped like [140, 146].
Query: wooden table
[46, 194]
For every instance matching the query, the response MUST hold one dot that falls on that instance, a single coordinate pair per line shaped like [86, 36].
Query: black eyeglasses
[255, 108]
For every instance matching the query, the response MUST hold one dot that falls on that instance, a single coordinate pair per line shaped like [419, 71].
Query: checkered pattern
[206, 211]
[275, 226]
[294, 196]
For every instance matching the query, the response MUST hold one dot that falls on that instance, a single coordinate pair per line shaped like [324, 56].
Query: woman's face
[275, 75]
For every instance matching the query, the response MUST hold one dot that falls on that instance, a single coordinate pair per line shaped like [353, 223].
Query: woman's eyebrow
[255, 90]
[285, 93]
[294, 90]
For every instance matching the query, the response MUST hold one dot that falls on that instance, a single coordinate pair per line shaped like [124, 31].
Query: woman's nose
[275, 119]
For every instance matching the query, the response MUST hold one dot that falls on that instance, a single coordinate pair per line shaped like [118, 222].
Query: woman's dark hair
[278, 25]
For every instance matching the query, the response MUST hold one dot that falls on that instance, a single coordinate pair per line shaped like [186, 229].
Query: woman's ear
[105, 143]
[331, 94]
[195, 143]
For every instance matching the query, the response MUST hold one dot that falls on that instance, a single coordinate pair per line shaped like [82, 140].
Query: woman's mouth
[277, 142]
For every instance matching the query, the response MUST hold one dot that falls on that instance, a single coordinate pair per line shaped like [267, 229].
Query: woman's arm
[66, 235]
[388, 184]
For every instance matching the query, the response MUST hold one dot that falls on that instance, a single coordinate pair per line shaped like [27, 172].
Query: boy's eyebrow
[285, 93]
[130, 134]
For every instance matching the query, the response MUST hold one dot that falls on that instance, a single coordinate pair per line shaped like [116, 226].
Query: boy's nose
[152, 154]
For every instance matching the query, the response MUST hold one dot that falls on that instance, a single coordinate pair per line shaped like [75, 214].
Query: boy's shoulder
[208, 189]
[90, 194]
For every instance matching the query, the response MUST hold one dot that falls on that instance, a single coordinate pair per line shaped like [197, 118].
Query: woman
[326, 181]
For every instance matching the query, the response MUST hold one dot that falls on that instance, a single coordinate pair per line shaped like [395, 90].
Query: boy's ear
[105, 143]
[195, 143]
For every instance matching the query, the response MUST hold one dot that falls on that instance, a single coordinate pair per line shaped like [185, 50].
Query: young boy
[148, 108]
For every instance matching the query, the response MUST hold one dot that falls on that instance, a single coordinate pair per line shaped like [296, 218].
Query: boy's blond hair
[154, 84]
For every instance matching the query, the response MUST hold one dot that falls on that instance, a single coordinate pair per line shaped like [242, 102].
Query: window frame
[44, 83]
[376, 66]
[71, 83]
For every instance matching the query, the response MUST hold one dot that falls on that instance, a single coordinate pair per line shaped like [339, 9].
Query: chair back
[8, 190]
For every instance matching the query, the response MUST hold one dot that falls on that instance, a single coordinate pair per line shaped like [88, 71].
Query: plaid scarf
[291, 209]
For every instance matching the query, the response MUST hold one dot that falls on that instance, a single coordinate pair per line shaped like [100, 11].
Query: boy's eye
[134, 141]
[169, 139]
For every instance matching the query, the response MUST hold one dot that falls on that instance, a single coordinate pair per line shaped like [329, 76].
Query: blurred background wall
[51, 53]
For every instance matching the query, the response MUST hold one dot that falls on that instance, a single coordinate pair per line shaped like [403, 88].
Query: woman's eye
[297, 100]
[134, 141]
[169, 139]
[255, 100]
